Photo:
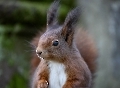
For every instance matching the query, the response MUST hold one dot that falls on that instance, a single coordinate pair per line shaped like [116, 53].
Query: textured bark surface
[101, 17]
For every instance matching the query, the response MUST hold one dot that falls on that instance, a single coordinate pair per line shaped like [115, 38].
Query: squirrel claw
[42, 84]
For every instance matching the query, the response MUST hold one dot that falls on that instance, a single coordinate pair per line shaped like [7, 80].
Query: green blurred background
[20, 20]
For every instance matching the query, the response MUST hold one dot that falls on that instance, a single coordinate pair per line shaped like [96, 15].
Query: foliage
[17, 81]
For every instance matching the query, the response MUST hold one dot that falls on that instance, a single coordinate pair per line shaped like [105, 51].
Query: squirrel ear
[52, 13]
[69, 25]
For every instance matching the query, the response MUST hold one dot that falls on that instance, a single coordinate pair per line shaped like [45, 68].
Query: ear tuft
[69, 25]
[52, 13]
[72, 17]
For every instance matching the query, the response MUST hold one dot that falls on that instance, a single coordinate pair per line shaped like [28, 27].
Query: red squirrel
[64, 58]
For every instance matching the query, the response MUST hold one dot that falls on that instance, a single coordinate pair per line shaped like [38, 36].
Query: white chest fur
[57, 77]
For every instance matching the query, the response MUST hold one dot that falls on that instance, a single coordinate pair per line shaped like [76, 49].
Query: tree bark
[115, 28]
[96, 17]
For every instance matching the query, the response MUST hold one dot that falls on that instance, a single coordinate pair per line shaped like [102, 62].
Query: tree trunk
[96, 18]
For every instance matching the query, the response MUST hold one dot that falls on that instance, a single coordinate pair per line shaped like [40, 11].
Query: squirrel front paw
[42, 84]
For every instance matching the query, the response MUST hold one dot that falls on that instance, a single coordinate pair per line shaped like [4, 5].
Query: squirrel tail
[87, 48]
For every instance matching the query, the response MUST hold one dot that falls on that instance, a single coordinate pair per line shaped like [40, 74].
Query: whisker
[31, 47]
[33, 51]
[30, 44]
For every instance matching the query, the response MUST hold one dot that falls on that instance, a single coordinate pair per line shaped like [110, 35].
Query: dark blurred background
[20, 21]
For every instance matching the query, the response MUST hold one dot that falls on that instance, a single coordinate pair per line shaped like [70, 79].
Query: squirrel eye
[55, 43]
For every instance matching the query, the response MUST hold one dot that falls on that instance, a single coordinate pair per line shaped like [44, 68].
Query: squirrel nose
[38, 52]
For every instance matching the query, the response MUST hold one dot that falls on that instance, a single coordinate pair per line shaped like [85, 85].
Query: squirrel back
[64, 59]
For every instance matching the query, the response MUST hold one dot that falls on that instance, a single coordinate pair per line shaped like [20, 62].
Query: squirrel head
[57, 41]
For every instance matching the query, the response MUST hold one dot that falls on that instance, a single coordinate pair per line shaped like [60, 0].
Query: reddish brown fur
[87, 50]
[43, 73]
[84, 43]
[67, 58]
[78, 75]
